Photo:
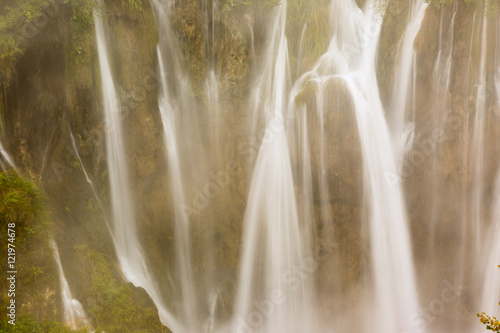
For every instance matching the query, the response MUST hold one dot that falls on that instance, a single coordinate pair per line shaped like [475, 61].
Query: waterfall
[168, 116]
[395, 295]
[395, 289]
[128, 249]
[214, 115]
[74, 313]
[442, 74]
[491, 245]
[6, 161]
[491, 249]
[271, 297]
[402, 130]
[478, 143]
[89, 181]
[187, 165]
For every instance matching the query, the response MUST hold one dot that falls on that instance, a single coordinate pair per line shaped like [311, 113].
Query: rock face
[55, 95]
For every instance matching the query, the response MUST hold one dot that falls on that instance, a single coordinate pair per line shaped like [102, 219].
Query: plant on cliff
[227, 5]
[22, 211]
[20, 200]
[28, 324]
[135, 5]
[492, 323]
[490, 7]
[24, 23]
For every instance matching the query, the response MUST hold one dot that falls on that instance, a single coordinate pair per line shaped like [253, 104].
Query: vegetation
[492, 323]
[20, 201]
[28, 324]
[135, 5]
[21, 210]
[228, 5]
[115, 306]
[490, 7]
[24, 23]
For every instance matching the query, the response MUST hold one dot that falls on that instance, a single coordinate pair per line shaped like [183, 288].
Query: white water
[491, 249]
[168, 117]
[214, 115]
[127, 246]
[272, 230]
[394, 290]
[89, 181]
[6, 161]
[401, 128]
[74, 313]
[185, 151]
[478, 143]
[491, 246]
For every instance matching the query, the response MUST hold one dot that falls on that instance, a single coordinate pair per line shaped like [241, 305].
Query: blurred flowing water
[124, 230]
[74, 313]
[342, 228]
[6, 161]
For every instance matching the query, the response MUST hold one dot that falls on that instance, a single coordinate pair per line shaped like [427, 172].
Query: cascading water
[491, 260]
[395, 295]
[124, 233]
[6, 161]
[478, 142]
[401, 128]
[168, 116]
[184, 149]
[272, 228]
[89, 181]
[491, 245]
[74, 313]
[395, 289]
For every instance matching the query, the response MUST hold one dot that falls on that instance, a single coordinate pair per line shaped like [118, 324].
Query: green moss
[116, 306]
[135, 5]
[25, 23]
[22, 211]
[28, 324]
[19, 200]
[228, 5]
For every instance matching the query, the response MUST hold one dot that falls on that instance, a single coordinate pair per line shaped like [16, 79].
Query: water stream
[74, 313]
